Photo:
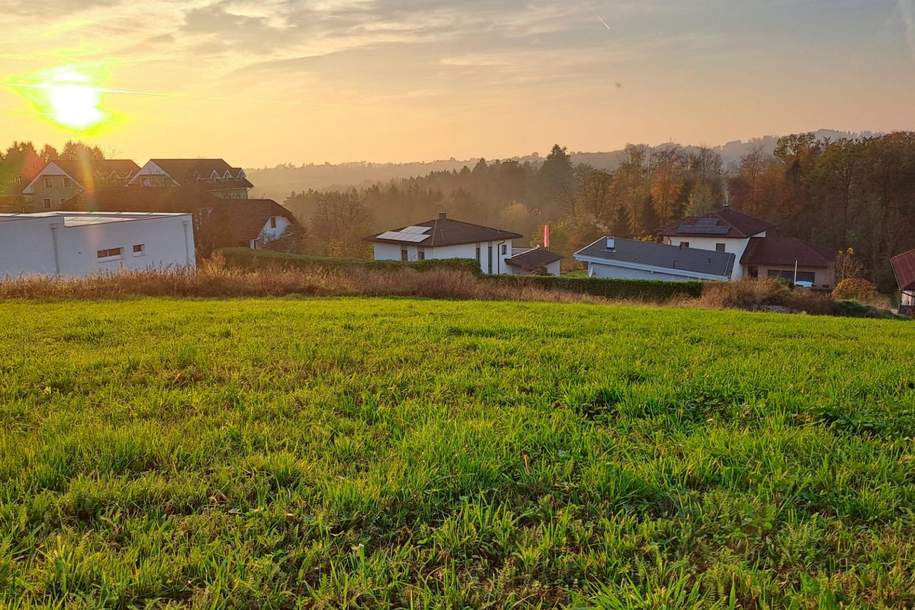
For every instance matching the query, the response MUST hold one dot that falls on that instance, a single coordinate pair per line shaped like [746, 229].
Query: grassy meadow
[398, 453]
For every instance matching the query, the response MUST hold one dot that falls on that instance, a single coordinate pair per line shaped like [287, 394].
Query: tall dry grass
[762, 294]
[214, 280]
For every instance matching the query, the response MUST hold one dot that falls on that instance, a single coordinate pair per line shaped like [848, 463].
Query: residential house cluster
[80, 217]
[723, 245]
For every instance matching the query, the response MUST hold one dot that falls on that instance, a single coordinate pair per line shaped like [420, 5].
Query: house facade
[758, 253]
[61, 180]
[615, 258]
[72, 244]
[211, 175]
[218, 222]
[444, 238]
[724, 230]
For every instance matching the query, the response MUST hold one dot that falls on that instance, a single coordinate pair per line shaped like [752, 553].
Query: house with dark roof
[724, 230]
[790, 259]
[62, 179]
[533, 261]
[904, 269]
[616, 258]
[758, 253]
[218, 222]
[213, 175]
[443, 238]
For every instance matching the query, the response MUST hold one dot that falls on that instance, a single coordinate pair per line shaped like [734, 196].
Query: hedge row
[245, 258]
[641, 290]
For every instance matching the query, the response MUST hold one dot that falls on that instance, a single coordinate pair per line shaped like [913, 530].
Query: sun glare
[69, 97]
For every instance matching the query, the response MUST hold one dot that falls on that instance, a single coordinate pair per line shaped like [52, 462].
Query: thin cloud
[907, 10]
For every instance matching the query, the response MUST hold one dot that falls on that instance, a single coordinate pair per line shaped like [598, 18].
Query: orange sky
[298, 81]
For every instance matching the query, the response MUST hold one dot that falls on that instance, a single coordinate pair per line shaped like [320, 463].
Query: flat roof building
[74, 244]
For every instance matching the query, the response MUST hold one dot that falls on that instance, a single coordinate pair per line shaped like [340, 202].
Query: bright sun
[68, 96]
[73, 101]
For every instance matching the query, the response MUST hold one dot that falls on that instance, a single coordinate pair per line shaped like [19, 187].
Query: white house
[757, 252]
[612, 257]
[82, 243]
[444, 238]
[724, 230]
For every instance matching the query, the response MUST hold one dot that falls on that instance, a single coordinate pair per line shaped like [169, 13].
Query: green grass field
[379, 453]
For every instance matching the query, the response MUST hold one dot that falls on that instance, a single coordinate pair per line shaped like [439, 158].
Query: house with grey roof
[443, 238]
[616, 258]
[533, 261]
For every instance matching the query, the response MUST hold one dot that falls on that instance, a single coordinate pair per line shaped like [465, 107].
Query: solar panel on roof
[416, 229]
[402, 236]
[700, 229]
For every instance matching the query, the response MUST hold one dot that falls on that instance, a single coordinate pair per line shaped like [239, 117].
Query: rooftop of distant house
[650, 254]
[725, 222]
[904, 269]
[442, 231]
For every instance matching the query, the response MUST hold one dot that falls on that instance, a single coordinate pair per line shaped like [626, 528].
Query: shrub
[857, 289]
[765, 293]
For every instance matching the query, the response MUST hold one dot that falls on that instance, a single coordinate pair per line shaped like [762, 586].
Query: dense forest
[849, 193]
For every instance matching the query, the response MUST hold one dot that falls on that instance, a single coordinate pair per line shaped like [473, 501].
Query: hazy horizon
[286, 81]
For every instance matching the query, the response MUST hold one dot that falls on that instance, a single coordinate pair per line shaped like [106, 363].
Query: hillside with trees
[856, 193]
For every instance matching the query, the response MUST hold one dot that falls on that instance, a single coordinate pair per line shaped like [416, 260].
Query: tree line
[850, 193]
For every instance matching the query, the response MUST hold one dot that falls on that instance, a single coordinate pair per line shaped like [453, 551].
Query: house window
[404, 255]
[489, 259]
[48, 183]
[273, 222]
[139, 249]
[719, 247]
[109, 254]
[422, 255]
[478, 254]
[46, 203]
[504, 249]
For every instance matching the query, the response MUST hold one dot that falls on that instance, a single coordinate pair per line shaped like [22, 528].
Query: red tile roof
[904, 268]
[726, 222]
[783, 251]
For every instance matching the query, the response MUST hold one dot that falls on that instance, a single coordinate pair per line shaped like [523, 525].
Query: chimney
[611, 244]
[546, 236]
[442, 215]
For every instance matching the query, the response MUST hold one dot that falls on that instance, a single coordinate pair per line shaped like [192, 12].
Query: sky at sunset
[270, 81]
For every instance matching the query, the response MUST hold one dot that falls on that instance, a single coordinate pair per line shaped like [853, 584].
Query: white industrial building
[73, 244]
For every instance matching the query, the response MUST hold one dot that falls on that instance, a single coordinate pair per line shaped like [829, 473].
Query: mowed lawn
[380, 453]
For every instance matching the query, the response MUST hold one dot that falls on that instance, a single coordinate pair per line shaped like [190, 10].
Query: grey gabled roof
[661, 256]
[533, 259]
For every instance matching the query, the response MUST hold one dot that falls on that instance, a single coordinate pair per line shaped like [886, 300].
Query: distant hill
[277, 182]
